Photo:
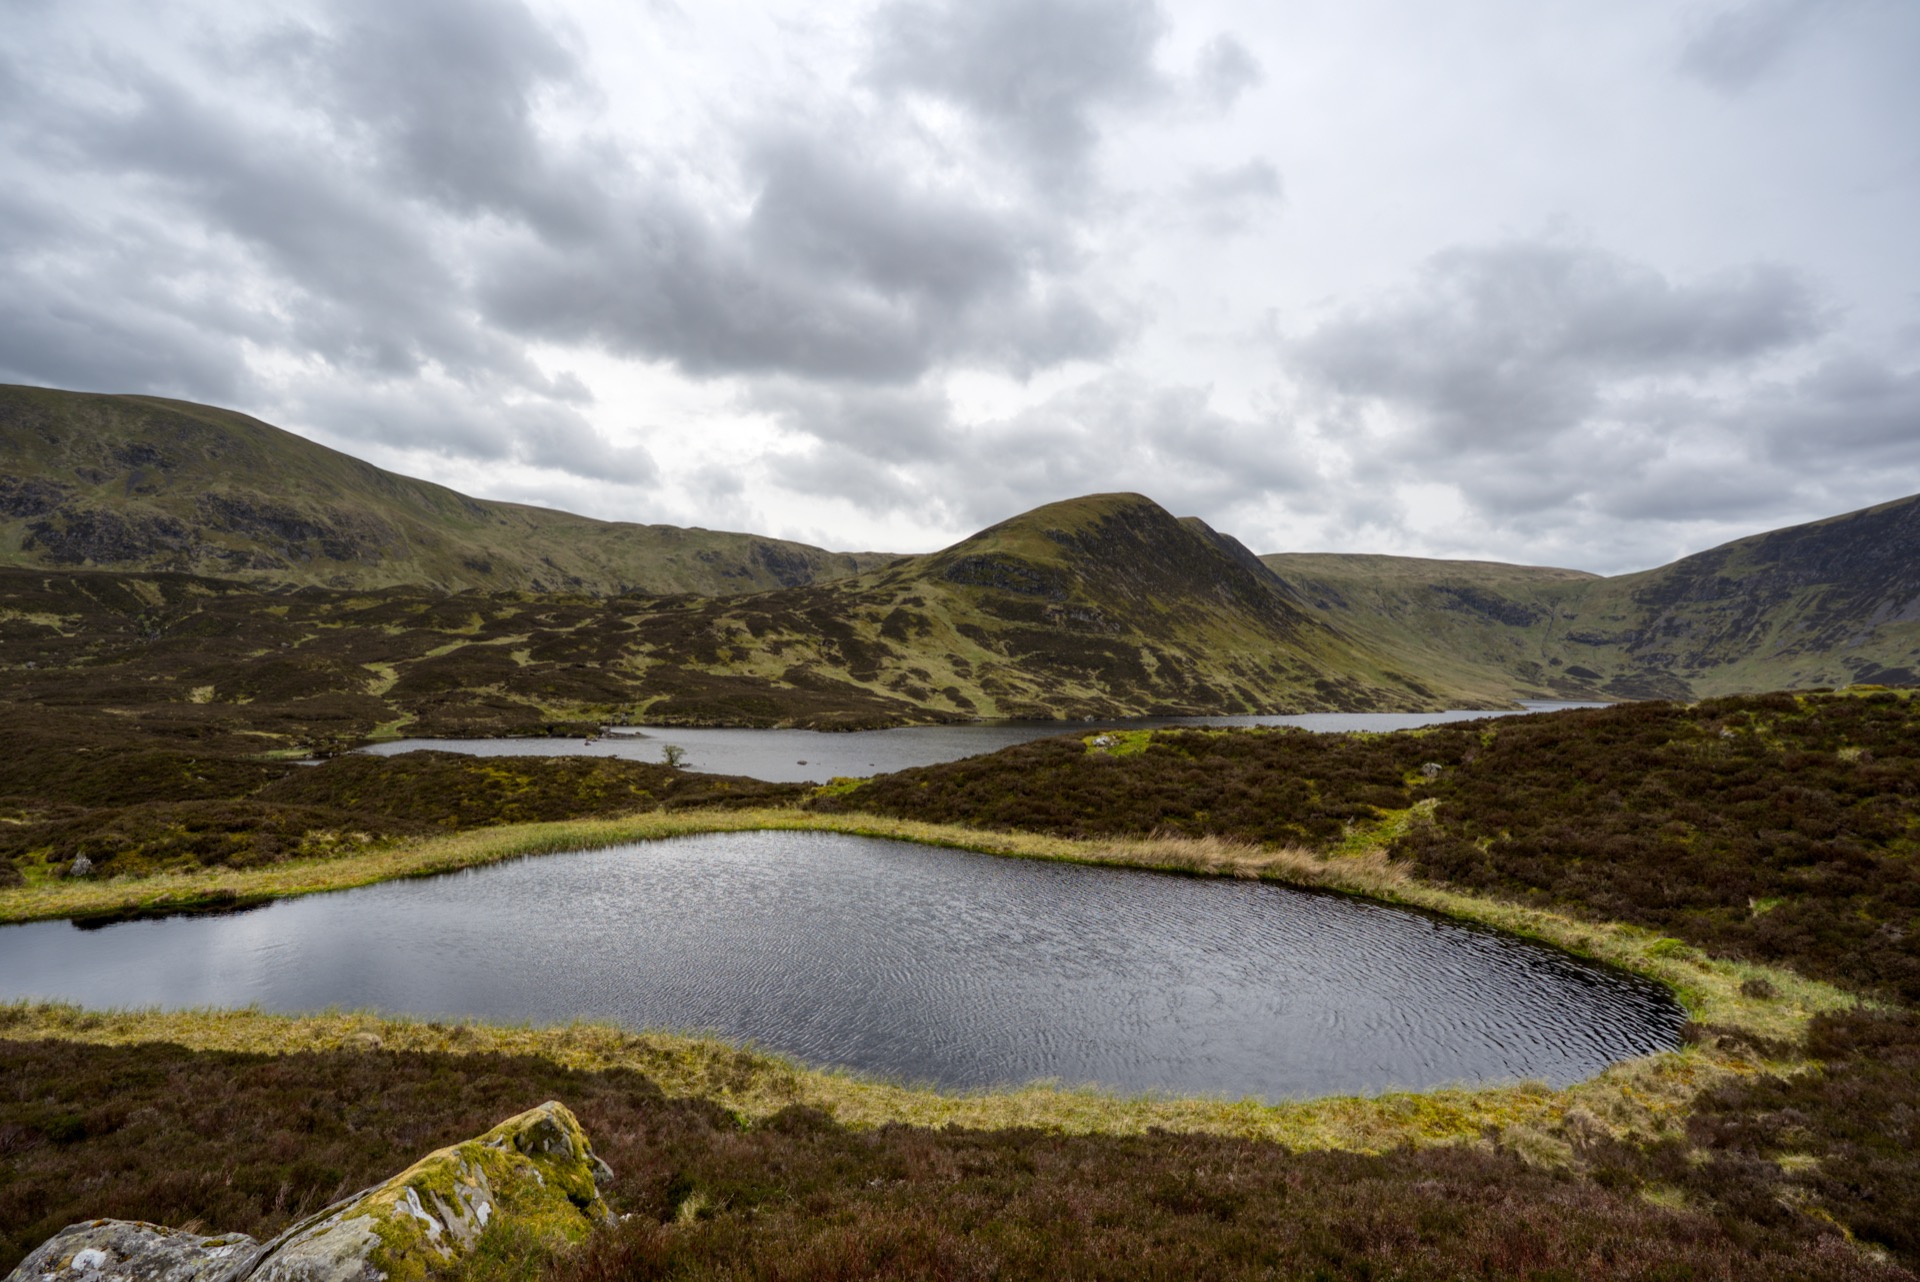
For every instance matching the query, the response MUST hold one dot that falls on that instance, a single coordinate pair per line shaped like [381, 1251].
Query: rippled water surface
[813, 756]
[932, 965]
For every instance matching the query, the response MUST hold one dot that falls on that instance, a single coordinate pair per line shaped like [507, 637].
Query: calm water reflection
[933, 965]
[813, 756]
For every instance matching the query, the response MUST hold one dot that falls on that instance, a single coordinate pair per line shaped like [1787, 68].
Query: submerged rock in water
[537, 1170]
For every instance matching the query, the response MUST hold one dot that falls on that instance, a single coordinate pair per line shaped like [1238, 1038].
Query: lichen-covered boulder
[536, 1170]
[134, 1251]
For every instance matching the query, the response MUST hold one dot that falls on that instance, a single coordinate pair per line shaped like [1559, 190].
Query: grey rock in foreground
[139, 1252]
[537, 1169]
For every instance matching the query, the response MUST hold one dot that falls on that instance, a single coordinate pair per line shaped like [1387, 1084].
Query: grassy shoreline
[1710, 989]
[1643, 1099]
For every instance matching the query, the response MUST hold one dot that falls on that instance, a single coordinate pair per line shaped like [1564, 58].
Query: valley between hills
[161, 555]
[200, 613]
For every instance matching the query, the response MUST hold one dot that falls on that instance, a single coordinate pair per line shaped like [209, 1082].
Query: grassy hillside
[1101, 607]
[1104, 606]
[141, 483]
[1479, 623]
[1830, 603]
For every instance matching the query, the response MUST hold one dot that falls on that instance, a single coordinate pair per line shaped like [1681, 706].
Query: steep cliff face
[140, 483]
[1828, 603]
[1831, 603]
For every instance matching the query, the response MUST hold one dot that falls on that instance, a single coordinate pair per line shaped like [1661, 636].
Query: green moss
[1119, 743]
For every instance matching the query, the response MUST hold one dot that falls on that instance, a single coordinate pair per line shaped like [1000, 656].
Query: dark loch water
[813, 756]
[930, 965]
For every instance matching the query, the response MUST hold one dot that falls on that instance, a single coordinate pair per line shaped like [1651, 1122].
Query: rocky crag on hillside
[1831, 603]
[536, 1170]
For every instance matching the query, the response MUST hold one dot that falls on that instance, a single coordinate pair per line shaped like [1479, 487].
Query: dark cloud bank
[362, 220]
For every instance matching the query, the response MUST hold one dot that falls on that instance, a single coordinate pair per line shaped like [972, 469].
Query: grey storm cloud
[1557, 386]
[1739, 46]
[1040, 75]
[890, 450]
[1513, 344]
[444, 93]
[842, 229]
[841, 268]
[1120, 432]
[1229, 200]
[1851, 406]
[1226, 70]
[388, 205]
[231, 231]
[1037, 71]
[487, 422]
[887, 424]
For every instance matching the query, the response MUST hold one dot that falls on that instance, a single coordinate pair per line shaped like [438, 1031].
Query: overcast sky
[1535, 280]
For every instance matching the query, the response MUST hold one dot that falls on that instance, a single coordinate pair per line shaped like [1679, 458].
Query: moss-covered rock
[536, 1170]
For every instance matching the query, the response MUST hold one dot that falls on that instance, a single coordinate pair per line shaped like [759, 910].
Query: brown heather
[1740, 840]
[1781, 829]
[248, 1142]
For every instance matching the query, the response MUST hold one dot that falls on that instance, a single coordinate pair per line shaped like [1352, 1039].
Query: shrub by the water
[1842, 1138]
[1286, 786]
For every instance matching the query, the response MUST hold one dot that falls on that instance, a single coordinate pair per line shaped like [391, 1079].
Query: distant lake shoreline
[817, 756]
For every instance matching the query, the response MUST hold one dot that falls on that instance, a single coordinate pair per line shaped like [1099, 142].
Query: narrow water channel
[929, 965]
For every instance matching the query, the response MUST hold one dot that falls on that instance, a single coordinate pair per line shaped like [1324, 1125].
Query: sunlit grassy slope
[142, 483]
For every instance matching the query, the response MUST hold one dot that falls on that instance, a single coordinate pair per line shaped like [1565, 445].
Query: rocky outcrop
[536, 1170]
[104, 1249]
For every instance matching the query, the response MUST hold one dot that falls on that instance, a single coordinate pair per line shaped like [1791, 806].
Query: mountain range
[397, 605]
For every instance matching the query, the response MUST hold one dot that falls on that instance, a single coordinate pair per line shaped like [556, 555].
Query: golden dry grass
[1640, 1098]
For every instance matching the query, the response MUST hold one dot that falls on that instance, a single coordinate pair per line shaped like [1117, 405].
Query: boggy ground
[134, 802]
[1790, 1125]
[248, 1142]
[1778, 828]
